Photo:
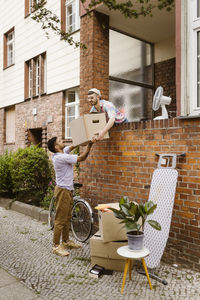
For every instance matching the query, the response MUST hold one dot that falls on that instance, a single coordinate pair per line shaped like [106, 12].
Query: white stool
[133, 254]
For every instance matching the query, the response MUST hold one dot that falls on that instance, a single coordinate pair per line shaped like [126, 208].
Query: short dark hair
[51, 144]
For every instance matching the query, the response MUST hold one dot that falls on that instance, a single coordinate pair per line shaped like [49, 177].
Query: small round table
[131, 255]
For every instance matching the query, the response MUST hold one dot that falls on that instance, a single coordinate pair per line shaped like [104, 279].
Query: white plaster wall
[165, 50]
[63, 63]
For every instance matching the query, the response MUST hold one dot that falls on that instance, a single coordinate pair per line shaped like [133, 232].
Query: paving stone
[26, 253]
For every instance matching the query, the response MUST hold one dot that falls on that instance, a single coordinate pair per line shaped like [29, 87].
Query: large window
[35, 76]
[9, 39]
[193, 107]
[10, 125]
[70, 20]
[29, 6]
[71, 108]
[131, 75]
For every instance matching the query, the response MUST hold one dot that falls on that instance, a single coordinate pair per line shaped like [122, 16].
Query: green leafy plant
[129, 213]
[48, 196]
[6, 185]
[31, 173]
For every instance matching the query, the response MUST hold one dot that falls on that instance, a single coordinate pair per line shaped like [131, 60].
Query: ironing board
[162, 193]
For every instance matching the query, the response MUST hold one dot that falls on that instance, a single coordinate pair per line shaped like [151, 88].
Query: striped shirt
[111, 110]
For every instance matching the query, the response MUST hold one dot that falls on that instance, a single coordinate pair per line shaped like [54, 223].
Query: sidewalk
[13, 289]
[26, 245]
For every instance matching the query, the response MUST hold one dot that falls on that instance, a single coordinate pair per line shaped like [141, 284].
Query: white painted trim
[193, 28]
[71, 104]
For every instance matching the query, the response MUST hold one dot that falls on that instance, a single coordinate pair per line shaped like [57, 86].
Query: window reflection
[134, 101]
[131, 75]
[130, 58]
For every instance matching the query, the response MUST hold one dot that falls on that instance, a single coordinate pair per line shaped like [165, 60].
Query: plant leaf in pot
[134, 216]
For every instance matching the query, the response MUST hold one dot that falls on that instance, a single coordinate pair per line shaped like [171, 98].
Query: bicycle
[82, 216]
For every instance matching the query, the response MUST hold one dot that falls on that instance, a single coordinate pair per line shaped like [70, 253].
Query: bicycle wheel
[52, 213]
[82, 220]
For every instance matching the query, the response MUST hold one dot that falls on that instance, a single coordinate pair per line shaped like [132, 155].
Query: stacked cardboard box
[104, 244]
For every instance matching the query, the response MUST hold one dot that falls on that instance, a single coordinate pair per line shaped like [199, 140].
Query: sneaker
[71, 244]
[60, 251]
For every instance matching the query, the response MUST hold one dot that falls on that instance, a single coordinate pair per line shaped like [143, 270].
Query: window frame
[34, 82]
[28, 7]
[132, 82]
[6, 122]
[7, 43]
[193, 23]
[76, 103]
[76, 23]
[64, 16]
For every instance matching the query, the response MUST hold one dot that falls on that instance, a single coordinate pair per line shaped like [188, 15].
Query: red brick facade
[124, 164]
[165, 77]
[94, 61]
[49, 108]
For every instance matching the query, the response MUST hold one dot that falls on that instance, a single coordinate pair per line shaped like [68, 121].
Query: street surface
[26, 254]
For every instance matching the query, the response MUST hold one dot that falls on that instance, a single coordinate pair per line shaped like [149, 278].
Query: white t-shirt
[63, 166]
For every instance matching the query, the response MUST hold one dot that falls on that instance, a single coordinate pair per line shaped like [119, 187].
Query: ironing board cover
[162, 192]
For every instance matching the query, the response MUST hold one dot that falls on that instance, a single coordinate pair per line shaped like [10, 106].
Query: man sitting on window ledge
[98, 105]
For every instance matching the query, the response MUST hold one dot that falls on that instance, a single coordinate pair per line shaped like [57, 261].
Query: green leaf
[154, 224]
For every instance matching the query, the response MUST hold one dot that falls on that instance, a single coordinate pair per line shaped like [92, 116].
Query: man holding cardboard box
[63, 165]
[98, 105]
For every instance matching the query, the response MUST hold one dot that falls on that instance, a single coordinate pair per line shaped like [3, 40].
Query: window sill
[13, 143]
[8, 67]
[71, 33]
[188, 117]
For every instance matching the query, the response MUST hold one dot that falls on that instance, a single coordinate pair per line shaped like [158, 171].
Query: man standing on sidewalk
[63, 165]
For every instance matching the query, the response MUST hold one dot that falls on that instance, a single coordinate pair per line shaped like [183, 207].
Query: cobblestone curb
[37, 213]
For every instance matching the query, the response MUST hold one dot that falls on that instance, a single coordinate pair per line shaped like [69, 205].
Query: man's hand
[94, 139]
[99, 135]
[84, 155]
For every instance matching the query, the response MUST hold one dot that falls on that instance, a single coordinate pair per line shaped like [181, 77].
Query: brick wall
[165, 77]
[47, 106]
[124, 164]
[94, 61]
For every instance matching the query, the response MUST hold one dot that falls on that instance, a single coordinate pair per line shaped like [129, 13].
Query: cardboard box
[105, 254]
[109, 227]
[85, 127]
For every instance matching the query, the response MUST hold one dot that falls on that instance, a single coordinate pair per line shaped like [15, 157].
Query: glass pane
[71, 97]
[71, 111]
[69, 10]
[68, 132]
[198, 8]
[129, 58]
[10, 36]
[134, 101]
[10, 47]
[198, 69]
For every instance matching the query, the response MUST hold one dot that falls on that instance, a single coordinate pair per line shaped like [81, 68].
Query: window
[9, 39]
[71, 108]
[193, 107]
[10, 125]
[70, 20]
[29, 6]
[131, 75]
[35, 76]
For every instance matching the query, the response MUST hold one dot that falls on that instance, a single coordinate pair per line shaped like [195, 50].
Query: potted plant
[134, 216]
